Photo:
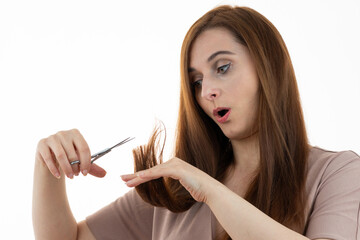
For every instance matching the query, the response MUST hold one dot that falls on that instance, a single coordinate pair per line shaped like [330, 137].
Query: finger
[83, 152]
[139, 180]
[76, 169]
[45, 156]
[136, 181]
[167, 169]
[69, 148]
[60, 155]
[97, 171]
[172, 168]
[133, 180]
[128, 177]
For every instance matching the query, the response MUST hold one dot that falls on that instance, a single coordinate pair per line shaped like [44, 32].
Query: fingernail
[84, 172]
[129, 183]
[57, 175]
[76, 174]
[71, 176]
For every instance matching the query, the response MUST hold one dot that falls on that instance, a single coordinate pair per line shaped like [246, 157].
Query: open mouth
[222, 114]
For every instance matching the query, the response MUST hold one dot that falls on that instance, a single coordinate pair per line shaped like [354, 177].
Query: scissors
[98, 155]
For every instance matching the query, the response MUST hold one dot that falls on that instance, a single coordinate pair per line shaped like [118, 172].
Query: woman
[242, 169]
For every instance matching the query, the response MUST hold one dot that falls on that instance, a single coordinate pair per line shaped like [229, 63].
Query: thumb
[97, 171]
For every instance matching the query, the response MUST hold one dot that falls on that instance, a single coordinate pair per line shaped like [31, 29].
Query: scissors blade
[103, 152]
[121, 143]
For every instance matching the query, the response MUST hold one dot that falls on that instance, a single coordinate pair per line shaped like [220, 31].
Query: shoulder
[321, 153]
[333, 193]
[332, 174]
[327, 162]
[326, 166]
[328, 171]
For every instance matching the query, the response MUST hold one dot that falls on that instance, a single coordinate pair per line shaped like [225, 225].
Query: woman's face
[225, 81]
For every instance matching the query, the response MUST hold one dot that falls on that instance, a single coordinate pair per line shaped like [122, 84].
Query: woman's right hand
[58, 150]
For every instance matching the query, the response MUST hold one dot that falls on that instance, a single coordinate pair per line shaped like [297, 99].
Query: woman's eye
[222, 69]
[197, 83]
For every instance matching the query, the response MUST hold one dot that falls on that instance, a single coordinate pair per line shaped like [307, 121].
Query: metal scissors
[98, 155]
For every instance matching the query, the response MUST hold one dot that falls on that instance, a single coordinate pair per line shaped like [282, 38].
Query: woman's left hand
[195, 181]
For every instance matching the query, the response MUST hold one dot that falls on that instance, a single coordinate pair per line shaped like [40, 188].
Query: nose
[209, 90]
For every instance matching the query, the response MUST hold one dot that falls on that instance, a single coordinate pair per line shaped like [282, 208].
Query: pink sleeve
[129, 217]
[335, 213]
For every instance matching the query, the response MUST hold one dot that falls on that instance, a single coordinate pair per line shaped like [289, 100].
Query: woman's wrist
[214, 190]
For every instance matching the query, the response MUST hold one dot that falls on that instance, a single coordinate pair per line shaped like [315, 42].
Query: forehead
[210, 41]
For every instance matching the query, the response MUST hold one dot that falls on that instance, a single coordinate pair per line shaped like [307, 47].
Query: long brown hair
[278, 189]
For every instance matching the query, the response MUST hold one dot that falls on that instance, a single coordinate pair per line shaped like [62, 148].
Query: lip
[221, 119]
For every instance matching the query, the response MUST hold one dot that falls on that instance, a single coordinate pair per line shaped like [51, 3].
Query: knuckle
[51, 138]
[47, 160]
[75, 168]
[46, 141]
[85, 166]
[72, 157]
[61, 134]
[84, 150]
[42, 142]
[66, 167]
[75, 131]
[45, 155]
[60, 155]
[64, 134]
[175, 161]
[52, 169]
[50, 164]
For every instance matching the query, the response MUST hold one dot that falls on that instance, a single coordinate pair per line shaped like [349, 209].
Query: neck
[246, 154]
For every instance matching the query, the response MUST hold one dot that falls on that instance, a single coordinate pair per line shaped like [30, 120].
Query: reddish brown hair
[279, 186]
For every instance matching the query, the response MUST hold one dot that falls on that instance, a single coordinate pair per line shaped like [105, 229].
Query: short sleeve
[335, 213]
[129, 217]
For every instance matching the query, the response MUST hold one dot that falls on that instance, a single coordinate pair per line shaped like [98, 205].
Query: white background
[111, 69]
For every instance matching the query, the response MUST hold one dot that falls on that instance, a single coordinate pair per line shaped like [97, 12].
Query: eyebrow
[212, 57]
[218, 53]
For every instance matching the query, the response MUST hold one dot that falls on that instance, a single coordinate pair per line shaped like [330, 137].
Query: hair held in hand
[278, 189]
[162, 192]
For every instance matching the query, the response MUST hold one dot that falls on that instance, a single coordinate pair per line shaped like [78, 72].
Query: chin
[239, 135]
[232, 135]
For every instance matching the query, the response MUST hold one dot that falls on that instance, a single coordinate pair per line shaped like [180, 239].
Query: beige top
[333, 192]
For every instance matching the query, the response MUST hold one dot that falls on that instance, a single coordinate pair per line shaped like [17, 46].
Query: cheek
[203, 105]
[253, 110]
[247, 100]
